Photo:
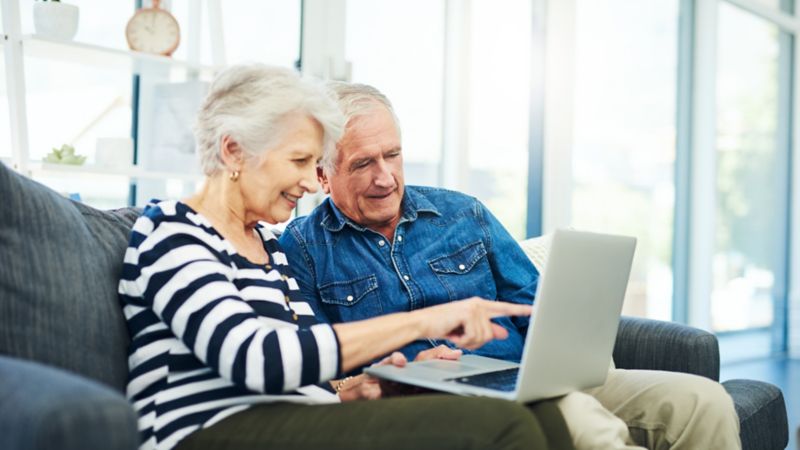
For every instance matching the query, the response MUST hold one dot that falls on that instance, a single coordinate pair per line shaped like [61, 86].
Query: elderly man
[376, 246]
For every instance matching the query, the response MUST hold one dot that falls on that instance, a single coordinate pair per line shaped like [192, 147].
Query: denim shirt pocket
[349, 300]
[465, 272]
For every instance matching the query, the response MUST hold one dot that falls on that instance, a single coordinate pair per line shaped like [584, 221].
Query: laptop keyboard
[501, 380]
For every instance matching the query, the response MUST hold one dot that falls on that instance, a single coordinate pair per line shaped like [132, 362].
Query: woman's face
[272, 183]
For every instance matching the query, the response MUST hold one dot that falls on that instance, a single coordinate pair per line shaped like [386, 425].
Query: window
[400, 51]
[265, 31]
[751, 173]
[499, 104]
[5, 120]
[73, 104]
[624, 137]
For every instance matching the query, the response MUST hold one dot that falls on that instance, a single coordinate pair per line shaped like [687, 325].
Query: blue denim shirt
[447, 246]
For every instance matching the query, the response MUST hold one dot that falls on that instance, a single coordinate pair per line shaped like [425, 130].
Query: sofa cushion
[59, 268]
[537, 249]
[762, 414]
[47, 408]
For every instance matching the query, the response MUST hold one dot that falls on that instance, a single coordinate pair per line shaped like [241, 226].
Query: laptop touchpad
[453, 368]
[467, 365]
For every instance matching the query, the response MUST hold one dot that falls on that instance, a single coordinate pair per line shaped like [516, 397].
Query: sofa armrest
[657, 345]
[762, 414]
[42, 407]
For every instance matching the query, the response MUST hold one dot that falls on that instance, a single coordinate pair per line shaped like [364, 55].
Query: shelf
[82, 53]
[48, 169]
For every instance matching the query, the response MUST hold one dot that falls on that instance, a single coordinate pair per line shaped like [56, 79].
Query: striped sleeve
[182, 278]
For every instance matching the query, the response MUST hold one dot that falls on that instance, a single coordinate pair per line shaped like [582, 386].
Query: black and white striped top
[213, 333]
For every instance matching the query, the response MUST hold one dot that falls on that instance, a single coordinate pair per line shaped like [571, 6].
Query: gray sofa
[63, 338]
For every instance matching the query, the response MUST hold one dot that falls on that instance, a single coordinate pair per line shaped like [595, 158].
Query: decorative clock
[153, 30]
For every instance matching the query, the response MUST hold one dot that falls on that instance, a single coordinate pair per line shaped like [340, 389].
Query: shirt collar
[414, 203]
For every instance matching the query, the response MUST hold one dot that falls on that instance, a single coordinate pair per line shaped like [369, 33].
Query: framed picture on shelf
[172, 114]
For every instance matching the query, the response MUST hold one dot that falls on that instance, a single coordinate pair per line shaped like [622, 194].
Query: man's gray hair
[247, 103]
[354, 100]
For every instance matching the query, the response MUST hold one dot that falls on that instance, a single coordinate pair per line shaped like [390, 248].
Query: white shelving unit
[96, 55]
[17, 47]
[132, 172]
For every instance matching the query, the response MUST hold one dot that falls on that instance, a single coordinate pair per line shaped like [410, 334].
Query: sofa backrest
[59, 267]
[537, 249]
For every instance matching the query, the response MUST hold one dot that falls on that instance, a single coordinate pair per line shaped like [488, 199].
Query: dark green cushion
[59, 269]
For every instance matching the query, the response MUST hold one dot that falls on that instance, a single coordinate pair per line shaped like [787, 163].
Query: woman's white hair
[354, 100]
[247, 103]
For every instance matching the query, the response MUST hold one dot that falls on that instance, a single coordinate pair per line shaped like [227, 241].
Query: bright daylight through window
[624, 137]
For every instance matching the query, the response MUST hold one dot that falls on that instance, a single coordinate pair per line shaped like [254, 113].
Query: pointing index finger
[500, 308]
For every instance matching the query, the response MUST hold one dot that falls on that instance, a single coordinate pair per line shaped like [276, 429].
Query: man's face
[368, 184]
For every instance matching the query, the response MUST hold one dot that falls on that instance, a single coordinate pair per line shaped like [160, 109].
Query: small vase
[55, 20]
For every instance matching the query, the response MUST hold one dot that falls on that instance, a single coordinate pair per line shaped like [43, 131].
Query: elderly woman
[226, 354]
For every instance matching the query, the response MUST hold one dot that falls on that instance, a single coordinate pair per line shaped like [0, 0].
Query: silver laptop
[572, 333]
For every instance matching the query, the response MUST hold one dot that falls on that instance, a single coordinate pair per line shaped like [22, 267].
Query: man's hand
[393, 389]
[439, 352]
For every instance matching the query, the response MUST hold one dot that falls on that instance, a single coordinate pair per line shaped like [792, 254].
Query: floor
[782, 372]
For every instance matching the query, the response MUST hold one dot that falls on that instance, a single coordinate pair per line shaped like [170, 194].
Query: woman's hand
[365, 387]
[467, 323]
[359, 387]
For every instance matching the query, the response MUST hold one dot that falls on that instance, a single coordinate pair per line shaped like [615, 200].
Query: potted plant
[55, 20]
[64, 155]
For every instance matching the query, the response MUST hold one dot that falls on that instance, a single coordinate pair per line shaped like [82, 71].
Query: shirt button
[400, 238]
[349, 298]
[381, 242]
[405, 277]
[461, 267]
[286, 299]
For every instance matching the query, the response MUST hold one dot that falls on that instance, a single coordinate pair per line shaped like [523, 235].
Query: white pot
[114, 152]
[55, 20]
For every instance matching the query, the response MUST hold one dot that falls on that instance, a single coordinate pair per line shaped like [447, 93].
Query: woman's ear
[231, 153]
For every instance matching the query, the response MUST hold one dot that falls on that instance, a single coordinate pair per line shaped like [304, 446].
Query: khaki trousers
[652, 409]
